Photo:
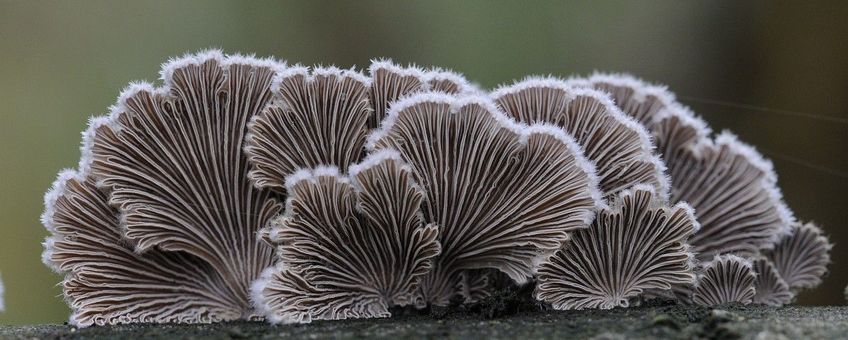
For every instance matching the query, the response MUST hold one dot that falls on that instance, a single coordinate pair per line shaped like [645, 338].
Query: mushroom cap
[503, 194]
[725, 279]
[350, 246]
[636, 245]
[618, 145]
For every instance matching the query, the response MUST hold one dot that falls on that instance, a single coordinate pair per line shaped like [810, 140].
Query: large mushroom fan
[636, 245]
[504, 195]
[158, 223]
[350, 246]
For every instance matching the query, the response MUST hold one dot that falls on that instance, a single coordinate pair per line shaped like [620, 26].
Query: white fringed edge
[260, 303]
[311, 74]
[768, 182]
[438, 74]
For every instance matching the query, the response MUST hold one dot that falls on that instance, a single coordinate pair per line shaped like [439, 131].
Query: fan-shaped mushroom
[108, 282]
[771, 289]
[351, 247]
[170, 160]
[504, 195]
[732, 188]
[618, 146]
[725, 279]
[320, 118]
[637, 244]
[801, 258]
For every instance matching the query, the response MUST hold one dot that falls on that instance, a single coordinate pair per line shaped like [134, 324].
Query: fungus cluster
[245, 188]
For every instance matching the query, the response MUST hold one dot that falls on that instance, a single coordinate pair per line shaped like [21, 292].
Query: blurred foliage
[63, 61]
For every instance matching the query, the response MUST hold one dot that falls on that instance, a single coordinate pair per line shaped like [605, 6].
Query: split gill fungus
[244, 188]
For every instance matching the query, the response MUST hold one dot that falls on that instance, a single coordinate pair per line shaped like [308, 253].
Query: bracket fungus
[350, 246]
[636, 245]
[618, 146]
[502, 194]
[725, 279]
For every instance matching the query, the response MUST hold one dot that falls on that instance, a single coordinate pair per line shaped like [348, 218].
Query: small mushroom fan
[351, 246]
[320, 118]
[798, 261]
[504, 195]
[169, 160]
[725, 279]
[801, 258]
[636, 245]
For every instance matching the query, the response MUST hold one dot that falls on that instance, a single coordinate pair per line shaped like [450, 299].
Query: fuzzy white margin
[768, 182]
[440, 74]
[257, 298]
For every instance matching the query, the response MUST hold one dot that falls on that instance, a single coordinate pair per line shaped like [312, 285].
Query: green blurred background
[63, 61]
